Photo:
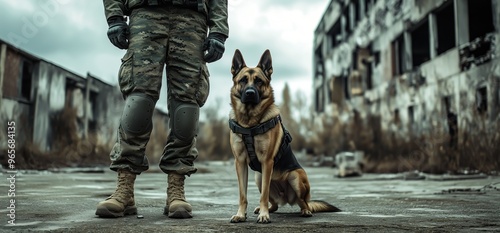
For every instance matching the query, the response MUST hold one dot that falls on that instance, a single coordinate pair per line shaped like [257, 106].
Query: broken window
[319, 100]
[398, 52]
[420, 45]
[347, 20]
[376, 58]
[445, 20]
[482, 42]
[319, 71]
[357, 15]
[447, 104]
[368, 6]
[354, 63]
[330, 90]
[397, 118]
[480, 18]
[92, 117]
[347, 94]
[335, 35]
[337, 90]
[366, 65]
[26, 77]
[482, 100]
[369, 74]
[411, 115]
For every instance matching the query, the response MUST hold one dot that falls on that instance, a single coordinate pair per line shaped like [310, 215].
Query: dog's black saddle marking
[285, 159]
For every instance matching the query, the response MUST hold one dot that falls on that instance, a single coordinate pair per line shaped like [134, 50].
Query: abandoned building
[418, 65]
[34, 93]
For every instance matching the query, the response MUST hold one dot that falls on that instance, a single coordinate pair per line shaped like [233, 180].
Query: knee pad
[184, 120]
[138, 113]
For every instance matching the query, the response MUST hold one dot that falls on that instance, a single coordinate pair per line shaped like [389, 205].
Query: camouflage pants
[169, 38]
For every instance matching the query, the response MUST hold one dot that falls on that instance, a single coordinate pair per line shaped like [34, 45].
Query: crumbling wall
[54, 119]
[49, 98]
[443, 93]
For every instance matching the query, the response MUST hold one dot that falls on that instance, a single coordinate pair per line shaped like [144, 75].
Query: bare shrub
[294, 126]
[213, 143]
[325, 138]
[480, 146]
[433, 152]
[213, 136]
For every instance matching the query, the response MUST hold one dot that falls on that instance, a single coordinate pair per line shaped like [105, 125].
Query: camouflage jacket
[216, 11]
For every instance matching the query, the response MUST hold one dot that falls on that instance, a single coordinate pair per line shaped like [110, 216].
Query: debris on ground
[349, 163]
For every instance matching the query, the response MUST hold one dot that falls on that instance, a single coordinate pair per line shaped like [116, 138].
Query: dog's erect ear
[266, 63]
[238, 62]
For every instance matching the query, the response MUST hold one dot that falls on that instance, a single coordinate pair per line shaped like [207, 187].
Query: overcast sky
[72, 34]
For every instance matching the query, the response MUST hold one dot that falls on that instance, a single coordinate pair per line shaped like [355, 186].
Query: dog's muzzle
[250, 95]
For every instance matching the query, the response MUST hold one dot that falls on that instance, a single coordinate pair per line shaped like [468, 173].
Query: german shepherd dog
[263, 146]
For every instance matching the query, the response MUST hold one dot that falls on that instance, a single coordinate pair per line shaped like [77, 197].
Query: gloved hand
[214, 45]
[118, 32]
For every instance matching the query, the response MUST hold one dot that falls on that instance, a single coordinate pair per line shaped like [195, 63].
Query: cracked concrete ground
[65, 202]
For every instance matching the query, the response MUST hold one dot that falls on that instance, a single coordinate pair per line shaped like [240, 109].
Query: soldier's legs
[188, 87]
[140, 82]
[187, 81]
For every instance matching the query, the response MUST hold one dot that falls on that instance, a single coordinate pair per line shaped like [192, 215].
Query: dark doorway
[452, 123]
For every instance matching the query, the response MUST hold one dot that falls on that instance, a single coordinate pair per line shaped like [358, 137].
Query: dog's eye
[258, 81]
[244, 80]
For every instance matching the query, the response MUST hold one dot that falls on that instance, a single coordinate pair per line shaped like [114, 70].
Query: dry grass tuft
[68, 150]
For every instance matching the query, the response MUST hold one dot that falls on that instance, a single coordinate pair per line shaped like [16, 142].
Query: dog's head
[252, 85]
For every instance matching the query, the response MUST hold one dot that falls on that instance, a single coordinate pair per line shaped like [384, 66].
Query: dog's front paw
[263, 218]
[306, 213]
[238, 218]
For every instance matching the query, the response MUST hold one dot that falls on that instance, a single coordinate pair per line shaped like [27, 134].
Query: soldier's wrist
[115, 20]
[217, 36]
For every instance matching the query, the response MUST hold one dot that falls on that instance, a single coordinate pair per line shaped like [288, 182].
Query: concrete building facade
[47, 101]
[418, 65]
[34, 91]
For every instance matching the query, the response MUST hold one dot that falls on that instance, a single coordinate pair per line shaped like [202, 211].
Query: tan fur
[276, 187]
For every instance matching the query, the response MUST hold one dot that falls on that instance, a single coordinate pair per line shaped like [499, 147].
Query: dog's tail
[322, 206]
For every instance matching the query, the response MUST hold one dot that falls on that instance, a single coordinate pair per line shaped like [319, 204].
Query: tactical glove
[118, 32]
[214, 45]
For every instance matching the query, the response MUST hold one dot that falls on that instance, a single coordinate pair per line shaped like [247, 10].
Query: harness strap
[256, 130]
[248, 138]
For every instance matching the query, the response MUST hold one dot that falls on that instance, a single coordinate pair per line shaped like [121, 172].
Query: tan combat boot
[177, 206]
[121, 202]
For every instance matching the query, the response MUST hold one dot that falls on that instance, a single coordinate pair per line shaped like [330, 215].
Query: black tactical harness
[285, 159]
